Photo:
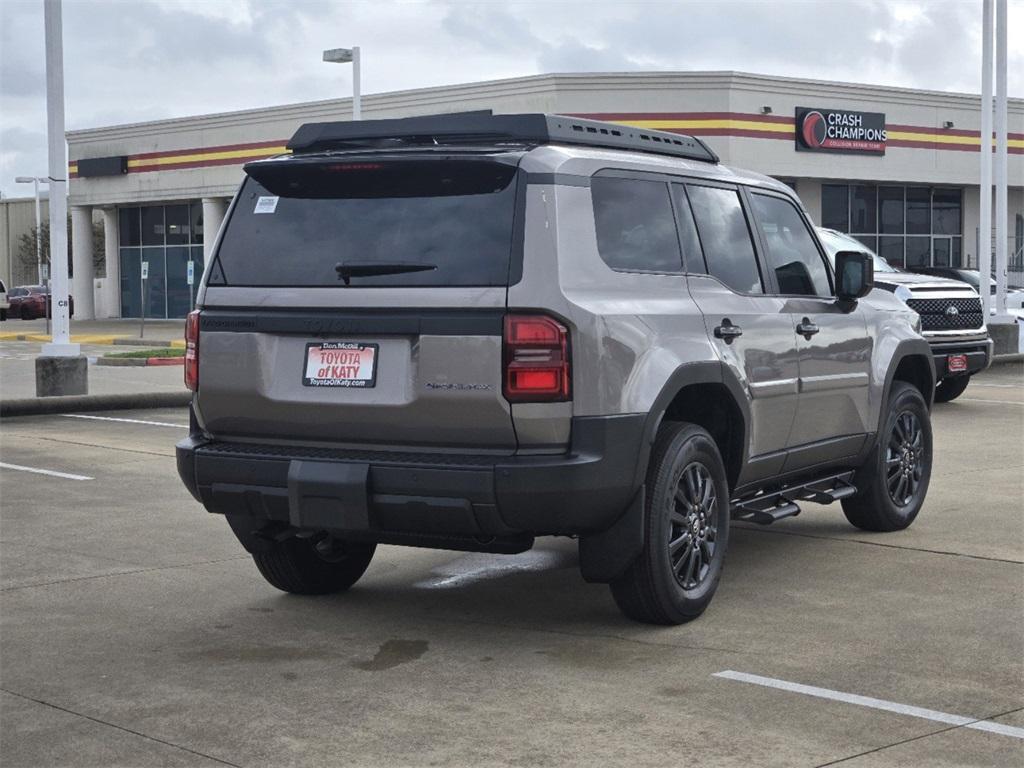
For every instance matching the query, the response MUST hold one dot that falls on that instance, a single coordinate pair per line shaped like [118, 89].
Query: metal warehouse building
[897, 168]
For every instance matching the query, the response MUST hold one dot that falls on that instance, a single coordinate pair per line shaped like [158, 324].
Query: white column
[985, 191]
[81, 255]
[1002, 215]
[214, 209]
[112, 260]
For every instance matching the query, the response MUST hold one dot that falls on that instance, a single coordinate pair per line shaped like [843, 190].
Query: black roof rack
[485, 127]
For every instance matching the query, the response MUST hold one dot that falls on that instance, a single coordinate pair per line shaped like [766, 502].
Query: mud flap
[605, 556]
[328, 495]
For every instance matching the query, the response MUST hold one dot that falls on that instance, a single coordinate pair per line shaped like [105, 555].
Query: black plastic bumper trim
[582, 491]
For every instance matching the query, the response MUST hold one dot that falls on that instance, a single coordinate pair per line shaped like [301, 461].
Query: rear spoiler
[484, 127]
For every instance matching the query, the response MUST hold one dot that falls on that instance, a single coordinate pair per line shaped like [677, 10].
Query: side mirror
[855, 275]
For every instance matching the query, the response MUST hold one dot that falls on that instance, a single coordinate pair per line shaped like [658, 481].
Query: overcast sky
[137, 60]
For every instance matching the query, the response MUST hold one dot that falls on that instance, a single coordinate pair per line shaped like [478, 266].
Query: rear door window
[725, 237]
[790, 250]
[409, 223]
[636, 231]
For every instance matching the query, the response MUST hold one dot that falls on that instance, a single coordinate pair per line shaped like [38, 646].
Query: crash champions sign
[840, 130]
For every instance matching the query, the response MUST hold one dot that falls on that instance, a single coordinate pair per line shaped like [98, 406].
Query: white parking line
[126, 421]
[50, 472]
[867, 701]
[979, 400]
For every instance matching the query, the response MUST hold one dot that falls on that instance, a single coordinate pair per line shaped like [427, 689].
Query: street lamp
[344, 56]
[34, 181]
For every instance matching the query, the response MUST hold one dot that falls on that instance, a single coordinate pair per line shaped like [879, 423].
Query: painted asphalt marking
[867, 701]
[50, 472]
[999, 402]
[126, 421]
[482, 566]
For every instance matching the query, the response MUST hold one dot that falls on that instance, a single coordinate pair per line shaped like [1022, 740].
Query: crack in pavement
[124, 573]
[881, 544]
[96, 445]
[118, 727]
[917, 738]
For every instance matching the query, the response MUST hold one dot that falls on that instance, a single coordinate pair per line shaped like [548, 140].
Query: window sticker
[266, 204]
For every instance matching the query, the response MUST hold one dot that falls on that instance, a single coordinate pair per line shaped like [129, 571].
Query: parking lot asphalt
[136, 632]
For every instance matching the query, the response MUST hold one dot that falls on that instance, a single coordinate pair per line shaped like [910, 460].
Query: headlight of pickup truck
[904, 294]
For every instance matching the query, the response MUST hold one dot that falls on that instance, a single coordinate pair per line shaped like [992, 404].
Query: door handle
[807, 329]
[727, 331]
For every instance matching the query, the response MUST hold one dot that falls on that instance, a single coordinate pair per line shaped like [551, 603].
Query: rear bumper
[978, 354]
[387, 496]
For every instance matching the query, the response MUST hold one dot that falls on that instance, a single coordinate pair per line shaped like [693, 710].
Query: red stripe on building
[207, 150]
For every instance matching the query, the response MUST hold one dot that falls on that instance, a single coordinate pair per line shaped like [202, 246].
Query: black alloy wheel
[903, 464]
[693, 529]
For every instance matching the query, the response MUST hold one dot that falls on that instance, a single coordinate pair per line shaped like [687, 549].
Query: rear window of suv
[431, 222]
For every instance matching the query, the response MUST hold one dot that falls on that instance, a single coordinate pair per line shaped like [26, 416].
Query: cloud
[152, 59]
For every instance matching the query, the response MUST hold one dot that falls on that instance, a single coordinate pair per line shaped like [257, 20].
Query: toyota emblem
[952, 311]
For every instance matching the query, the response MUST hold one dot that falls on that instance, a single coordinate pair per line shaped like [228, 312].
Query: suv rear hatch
[359, 299]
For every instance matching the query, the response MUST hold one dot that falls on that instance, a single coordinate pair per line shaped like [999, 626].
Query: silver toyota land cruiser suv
[467, 331]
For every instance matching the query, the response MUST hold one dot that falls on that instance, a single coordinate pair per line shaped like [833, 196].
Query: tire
[893, 483]
[310, 566]
[685, 467]
[3, 314]
[950, 389]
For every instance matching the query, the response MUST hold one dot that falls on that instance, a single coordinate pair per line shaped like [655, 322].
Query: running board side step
[770, 505]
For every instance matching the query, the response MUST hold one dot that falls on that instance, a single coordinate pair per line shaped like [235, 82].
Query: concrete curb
[139, 361]
[96, 339]
[36, 406]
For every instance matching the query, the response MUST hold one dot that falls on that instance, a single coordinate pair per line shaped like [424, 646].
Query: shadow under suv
[467, 331]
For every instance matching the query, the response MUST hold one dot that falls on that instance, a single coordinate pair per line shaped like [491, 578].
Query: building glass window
[165, 238]
[863, 209]
[835, 207]
[891, 210]
[128, 223]
[176, 221]
[918, 215]
[907, 226]
[196, 221]
[153, 225]
[918, 251]
[946, 207]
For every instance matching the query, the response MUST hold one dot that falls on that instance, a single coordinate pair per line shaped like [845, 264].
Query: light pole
[60, 369]
[34, 181]
[344, 56]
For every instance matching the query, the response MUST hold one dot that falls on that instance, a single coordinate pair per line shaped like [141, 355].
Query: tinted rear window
[293, 224]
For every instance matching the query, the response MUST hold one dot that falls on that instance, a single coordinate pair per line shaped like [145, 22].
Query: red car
[29, 302]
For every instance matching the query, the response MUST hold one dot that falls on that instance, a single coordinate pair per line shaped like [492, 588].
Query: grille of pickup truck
[947, 314]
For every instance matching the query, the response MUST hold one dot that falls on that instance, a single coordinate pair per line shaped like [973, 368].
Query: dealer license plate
[956, 363]
[340, 364]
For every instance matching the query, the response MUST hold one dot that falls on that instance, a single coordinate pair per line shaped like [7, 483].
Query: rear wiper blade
[348, 269]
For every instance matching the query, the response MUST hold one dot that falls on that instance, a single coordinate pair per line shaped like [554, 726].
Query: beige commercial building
[897, 168]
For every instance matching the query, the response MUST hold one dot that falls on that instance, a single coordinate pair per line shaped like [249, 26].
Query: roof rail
[484, 126]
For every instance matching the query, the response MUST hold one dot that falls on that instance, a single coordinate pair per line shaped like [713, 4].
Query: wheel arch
[709, 395]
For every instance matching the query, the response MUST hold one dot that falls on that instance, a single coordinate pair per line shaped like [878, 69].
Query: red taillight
[536, 359]
[192, 350]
